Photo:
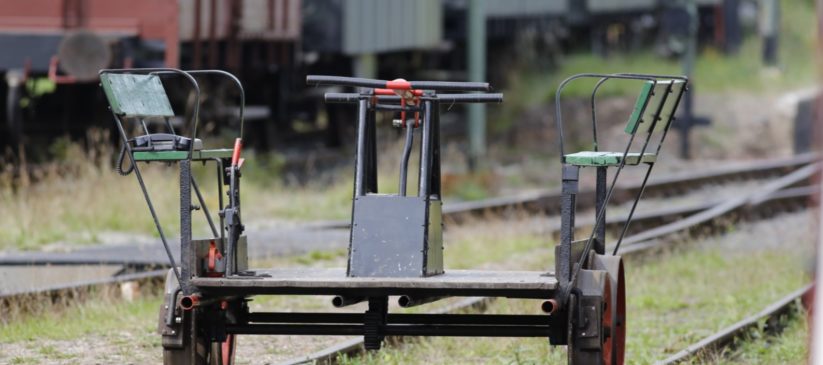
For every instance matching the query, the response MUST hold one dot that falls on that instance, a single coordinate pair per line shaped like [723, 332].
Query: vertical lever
[232, 211]
[404, 163]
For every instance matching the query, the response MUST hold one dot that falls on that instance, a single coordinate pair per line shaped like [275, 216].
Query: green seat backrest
[132, 95]
[643, 120]
[667, 114]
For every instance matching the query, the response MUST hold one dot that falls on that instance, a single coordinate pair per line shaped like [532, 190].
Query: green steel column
[689, 58]
[770, 30]
[477, 72]
[691, 44]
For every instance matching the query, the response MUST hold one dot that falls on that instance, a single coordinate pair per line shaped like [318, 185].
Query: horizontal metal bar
[316, 80]
[466, 331]
[351, 98]
[402, 318]
[285, 317]
[297, 329]
[390, 330]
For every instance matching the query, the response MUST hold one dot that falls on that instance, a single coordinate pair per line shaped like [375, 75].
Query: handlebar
[350, 98]
[316, 80]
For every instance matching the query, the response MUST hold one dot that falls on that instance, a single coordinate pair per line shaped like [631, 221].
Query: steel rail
[728, 335]
[744, 200]
[548, 201]
[137, 276]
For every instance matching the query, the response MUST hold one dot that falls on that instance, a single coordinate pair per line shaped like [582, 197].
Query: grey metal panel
[526, 8]
[434, 239]
[616, 6]
[372, 26]
[390, 238]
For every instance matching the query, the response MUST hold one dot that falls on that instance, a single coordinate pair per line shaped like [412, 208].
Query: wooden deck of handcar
[515, 284]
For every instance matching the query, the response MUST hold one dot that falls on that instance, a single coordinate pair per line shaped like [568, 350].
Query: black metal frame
[376, 322]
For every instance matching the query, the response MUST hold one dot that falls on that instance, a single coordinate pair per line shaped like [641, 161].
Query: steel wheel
[222, 353]
[195, 347]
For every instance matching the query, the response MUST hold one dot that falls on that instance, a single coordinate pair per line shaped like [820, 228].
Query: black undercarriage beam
[390, 330]
[397, 324]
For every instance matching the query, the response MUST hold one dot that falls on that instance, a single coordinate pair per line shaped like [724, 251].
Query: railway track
[785, 192]
[764, 320]
[747, 206]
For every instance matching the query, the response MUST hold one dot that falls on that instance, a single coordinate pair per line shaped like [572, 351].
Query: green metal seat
[593, 158]
[196, 155]
[652, 113]
[141, 97]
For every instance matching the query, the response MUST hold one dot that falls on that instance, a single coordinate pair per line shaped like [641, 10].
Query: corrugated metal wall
[613, 6]
[260, 19]
[496, 9]
[371, 26]
[607, 6]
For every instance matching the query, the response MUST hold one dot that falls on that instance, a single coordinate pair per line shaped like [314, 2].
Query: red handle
[235, 156]
[391, 92]
[398, 84]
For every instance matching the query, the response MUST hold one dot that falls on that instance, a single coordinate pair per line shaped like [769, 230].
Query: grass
[117, 329]
[75, 197]
[78, 197]
[96, 317]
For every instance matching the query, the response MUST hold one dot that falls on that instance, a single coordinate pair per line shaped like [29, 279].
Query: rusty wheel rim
[607, 321]
[619, 306]
[228, 347]
[614, 315]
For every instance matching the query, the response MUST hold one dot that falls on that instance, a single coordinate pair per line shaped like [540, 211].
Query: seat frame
[222, 158]
[569, 261]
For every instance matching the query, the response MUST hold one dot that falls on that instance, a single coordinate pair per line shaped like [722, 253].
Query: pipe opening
[550, 306]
